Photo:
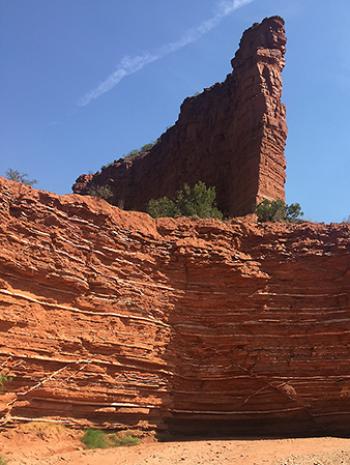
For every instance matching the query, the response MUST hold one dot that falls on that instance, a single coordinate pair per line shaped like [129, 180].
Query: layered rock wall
[111, 318]
[231, 136]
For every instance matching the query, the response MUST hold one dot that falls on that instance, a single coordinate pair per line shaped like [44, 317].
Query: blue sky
[56, 53]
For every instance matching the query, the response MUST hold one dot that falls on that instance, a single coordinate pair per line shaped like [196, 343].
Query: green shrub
[199, 200]
[132, 154]
[102, 192]
[3, 380]
[136, 152]
[14, 175]
[163, 207]
[97, 439]
[127, 441]
[147, 147]
[270, 210]
[294, 213]
[3, 461]
[278, 210]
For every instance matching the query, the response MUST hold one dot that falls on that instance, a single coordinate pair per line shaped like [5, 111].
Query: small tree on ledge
[278, 210]
[14, 175]
[102, 192]
[199, 201]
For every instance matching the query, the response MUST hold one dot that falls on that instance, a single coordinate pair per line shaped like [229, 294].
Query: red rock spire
[231, 136]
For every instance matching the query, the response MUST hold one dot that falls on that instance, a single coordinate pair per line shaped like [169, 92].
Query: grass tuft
[3, 380]
[127, 441]
[97, 439]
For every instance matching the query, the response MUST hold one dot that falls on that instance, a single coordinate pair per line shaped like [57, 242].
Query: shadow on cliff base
[223, 363]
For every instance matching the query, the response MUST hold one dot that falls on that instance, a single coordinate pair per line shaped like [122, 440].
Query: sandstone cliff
[112, 318]
[231, 136]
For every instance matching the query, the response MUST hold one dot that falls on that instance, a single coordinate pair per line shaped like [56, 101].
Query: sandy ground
[51, 445]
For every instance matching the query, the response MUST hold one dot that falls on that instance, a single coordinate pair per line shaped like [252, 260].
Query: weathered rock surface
[231, 136]
[112, 318]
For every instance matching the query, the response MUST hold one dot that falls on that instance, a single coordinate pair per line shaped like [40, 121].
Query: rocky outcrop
[231, 136]
[112, 318]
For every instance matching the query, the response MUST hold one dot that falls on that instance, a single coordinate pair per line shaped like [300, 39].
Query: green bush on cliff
[147, 147]
[278, 210]
[102, 192]
[132, 154]
[14, 175]
[199, 201]
[4, 379]
[163, 207]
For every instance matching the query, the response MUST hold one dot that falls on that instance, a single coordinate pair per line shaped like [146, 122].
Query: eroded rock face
[231, 136]
[111, 318]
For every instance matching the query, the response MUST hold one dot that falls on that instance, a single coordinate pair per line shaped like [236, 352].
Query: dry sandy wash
[43, 444]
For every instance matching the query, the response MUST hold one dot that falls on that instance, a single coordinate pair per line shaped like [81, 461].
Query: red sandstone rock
[112, 318]
[231, 136]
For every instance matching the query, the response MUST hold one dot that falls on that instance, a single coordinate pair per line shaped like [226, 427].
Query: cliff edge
[114, 319]
[231, 136]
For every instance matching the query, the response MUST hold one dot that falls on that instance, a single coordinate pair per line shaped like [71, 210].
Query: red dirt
[51, 445]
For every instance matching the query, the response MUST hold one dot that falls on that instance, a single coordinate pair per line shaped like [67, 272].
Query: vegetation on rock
[199, 201]
[144, 148]
[15, 175]
[132, 154]
[97, 439]
[3, 380]
[213, 137]
[278, 210]
[126, 440]
[102, 192]
[147, 147]
[163, 207]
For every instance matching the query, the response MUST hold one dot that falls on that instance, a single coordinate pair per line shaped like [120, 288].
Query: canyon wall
[111, 318]
[231, 136]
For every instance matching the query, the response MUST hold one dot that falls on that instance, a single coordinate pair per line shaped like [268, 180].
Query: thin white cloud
[130, 65]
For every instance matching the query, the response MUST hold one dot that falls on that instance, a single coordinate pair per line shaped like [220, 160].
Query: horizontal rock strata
[111, 318]
[231, 136]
